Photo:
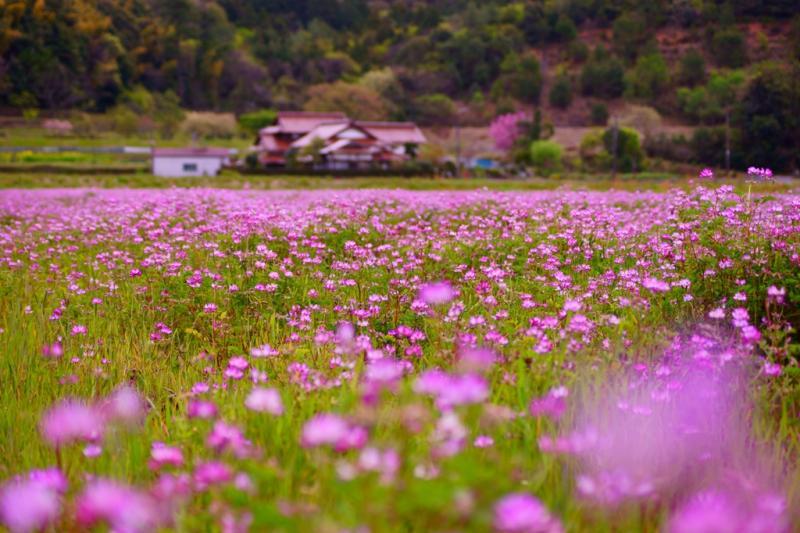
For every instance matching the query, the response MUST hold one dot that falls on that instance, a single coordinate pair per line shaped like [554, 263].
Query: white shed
[180, 162]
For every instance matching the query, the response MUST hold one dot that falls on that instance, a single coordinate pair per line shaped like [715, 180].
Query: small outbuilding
[185, 162]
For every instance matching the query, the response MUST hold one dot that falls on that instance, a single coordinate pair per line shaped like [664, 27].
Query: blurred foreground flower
[522, 513]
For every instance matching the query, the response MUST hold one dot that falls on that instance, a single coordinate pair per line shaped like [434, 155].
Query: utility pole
[614, 146]
[728, 140]
[458, 148]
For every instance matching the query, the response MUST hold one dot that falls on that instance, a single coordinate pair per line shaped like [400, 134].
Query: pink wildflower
[265, 400]
[436, 293]
[71, 420]
[29, 505]
[162, 455]
[522, 513]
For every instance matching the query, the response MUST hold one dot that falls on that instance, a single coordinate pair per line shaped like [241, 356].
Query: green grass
[37, 137]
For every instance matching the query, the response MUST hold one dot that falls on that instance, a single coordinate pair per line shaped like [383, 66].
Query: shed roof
[192, 152]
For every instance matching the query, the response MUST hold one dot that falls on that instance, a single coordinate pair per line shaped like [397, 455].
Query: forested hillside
[699, 62]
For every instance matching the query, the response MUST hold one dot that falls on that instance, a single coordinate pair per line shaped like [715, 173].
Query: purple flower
[70, 421]
[476, 359]
[707, 512]
[92, 450]
[706, 174]
[483, 441]
[750, 334]
[437, 293]
[743, 509]
[452, 390]
[655, 285]
[264, 350]
[123, 508]
[522, 513]
[163, 455]
[29, 505]
[772, 369]
[201, 409]
[324, 429]
[227, 437]
[386, 463]
[125, 405]
[552, 405]
[52, 478]
[760, 174]
[52, 351]
[775, 294]
[265, 400]
[211, 473]
[332, 430]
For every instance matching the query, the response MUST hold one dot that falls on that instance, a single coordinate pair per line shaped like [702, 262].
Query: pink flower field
[378, 360]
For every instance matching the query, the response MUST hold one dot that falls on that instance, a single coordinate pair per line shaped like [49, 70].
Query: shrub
[695, 104]
[603, 76]
[251, 161]
[599, 114]
[643, 119]
[729, 48]
[629, 34]
[708, 146]
[577, 51]
[564, 29]
[209, 125]
[649, 77]
[124, 120]
[357, 101]
[561, 93]
[546, 156]
[629, 153]
[253, 122]
[434, 109]
[708, 103]
[84, 124]
[670, 148]
[692, 68]
[522, 78]
[592, 152]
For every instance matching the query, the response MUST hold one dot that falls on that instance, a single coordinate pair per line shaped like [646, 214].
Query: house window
[190, 167]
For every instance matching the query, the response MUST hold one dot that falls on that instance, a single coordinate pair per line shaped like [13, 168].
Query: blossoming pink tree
[505, 129]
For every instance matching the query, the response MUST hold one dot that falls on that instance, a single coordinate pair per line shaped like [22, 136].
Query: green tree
[564, 29]
[729, 48]
[603, 76]
[434, 110]
[546, 156]
[561, 92]
[650, 76]
[692, 70]
[352, 99]
[599, 114]
[630, 34]
[521, 78]
[770, 118]
[251, 123]
[624, 147]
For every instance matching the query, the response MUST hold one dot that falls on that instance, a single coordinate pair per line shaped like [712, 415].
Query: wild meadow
[388, 360]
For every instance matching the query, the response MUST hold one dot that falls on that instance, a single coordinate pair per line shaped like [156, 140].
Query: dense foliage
[437, 62]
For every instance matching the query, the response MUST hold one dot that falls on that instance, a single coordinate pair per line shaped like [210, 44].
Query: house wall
[176, 167]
